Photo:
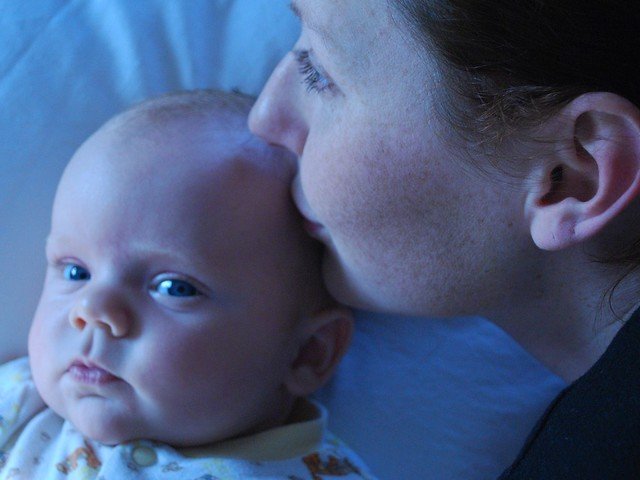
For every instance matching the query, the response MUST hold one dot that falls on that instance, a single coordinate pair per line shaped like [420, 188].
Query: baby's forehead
[215, 134]
[181, 173]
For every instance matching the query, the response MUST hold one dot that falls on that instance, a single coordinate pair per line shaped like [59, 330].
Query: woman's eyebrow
[297, 11]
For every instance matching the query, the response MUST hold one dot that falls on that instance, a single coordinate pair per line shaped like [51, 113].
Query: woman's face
[408, 228]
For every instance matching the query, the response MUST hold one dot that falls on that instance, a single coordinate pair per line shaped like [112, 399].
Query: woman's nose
[278, 114]
[101, 308]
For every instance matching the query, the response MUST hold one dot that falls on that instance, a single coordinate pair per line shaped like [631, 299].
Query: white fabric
[416, 398]
[436, 399]
[36, 443]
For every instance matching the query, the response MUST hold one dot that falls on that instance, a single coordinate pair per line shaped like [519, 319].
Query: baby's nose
[101, 308]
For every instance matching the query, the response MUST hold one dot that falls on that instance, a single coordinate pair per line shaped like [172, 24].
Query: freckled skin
[408, 228]
[411, 225]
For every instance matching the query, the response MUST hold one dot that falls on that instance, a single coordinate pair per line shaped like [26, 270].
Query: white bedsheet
[417, 398]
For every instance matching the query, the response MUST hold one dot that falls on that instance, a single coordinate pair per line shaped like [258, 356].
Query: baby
[183, 318]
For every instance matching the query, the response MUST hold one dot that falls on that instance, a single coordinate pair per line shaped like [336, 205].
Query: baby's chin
[102, 428]
[120, 431]
[114, 433]
[112, 423]
[107, 432]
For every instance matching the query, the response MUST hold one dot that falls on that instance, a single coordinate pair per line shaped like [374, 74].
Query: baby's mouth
[91, 374]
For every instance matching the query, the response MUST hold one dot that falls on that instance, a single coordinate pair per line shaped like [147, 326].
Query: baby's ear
[595, 172]
[324, 340]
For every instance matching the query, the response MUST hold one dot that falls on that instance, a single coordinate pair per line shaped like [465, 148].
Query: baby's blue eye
[76, 273]
[177, 288]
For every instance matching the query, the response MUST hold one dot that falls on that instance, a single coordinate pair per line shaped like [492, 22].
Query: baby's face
[170, 304]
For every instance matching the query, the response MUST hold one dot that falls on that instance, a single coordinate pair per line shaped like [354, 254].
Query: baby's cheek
[38, 346]
[173, 390]
[41, 361]
[167, 366]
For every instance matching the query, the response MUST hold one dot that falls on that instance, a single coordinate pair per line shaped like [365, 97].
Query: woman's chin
[379, 291]
[346, 286]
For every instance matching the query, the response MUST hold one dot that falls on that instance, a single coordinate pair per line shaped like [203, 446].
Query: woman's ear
[594, 175]
[324, 341]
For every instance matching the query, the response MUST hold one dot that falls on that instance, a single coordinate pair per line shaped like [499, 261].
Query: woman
[461, 157]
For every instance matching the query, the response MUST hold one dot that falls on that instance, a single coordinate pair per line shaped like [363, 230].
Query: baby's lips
[85, 371]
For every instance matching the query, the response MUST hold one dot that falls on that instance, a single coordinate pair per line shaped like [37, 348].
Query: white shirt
[35, 443]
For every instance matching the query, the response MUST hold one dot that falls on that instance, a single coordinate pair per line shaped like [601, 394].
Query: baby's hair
[231, 107]
[223, 113]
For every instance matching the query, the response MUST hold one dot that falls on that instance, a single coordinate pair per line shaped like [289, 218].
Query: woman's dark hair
[515, 62]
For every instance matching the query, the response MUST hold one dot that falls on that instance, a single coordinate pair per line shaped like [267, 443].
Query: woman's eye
[76, 273]
[312, 76]
[177, 288]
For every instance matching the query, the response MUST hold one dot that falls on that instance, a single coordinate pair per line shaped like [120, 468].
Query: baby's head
[183, 302]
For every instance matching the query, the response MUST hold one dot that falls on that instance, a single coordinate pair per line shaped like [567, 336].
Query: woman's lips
[312, 227]
[90, 374]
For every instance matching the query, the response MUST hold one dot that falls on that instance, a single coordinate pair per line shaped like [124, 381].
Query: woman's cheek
[346, 194]
[334, 181]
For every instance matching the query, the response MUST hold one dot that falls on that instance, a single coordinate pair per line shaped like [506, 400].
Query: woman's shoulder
[592, 429]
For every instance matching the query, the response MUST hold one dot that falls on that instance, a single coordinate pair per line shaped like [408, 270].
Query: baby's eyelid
[177, 288]
[75, 272]
[157, 288]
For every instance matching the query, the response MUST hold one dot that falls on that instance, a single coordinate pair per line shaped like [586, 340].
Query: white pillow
[417, 398]
[424, 398]
[67, 66]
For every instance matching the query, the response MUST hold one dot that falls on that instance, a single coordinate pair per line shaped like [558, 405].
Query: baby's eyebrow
[52, 240]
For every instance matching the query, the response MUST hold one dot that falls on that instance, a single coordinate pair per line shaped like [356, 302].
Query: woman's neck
[571, 325]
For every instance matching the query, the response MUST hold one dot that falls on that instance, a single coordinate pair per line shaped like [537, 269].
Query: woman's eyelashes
[313, 77]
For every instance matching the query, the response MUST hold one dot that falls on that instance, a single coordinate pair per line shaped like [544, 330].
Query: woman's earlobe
[592, 177]
[324, 343]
